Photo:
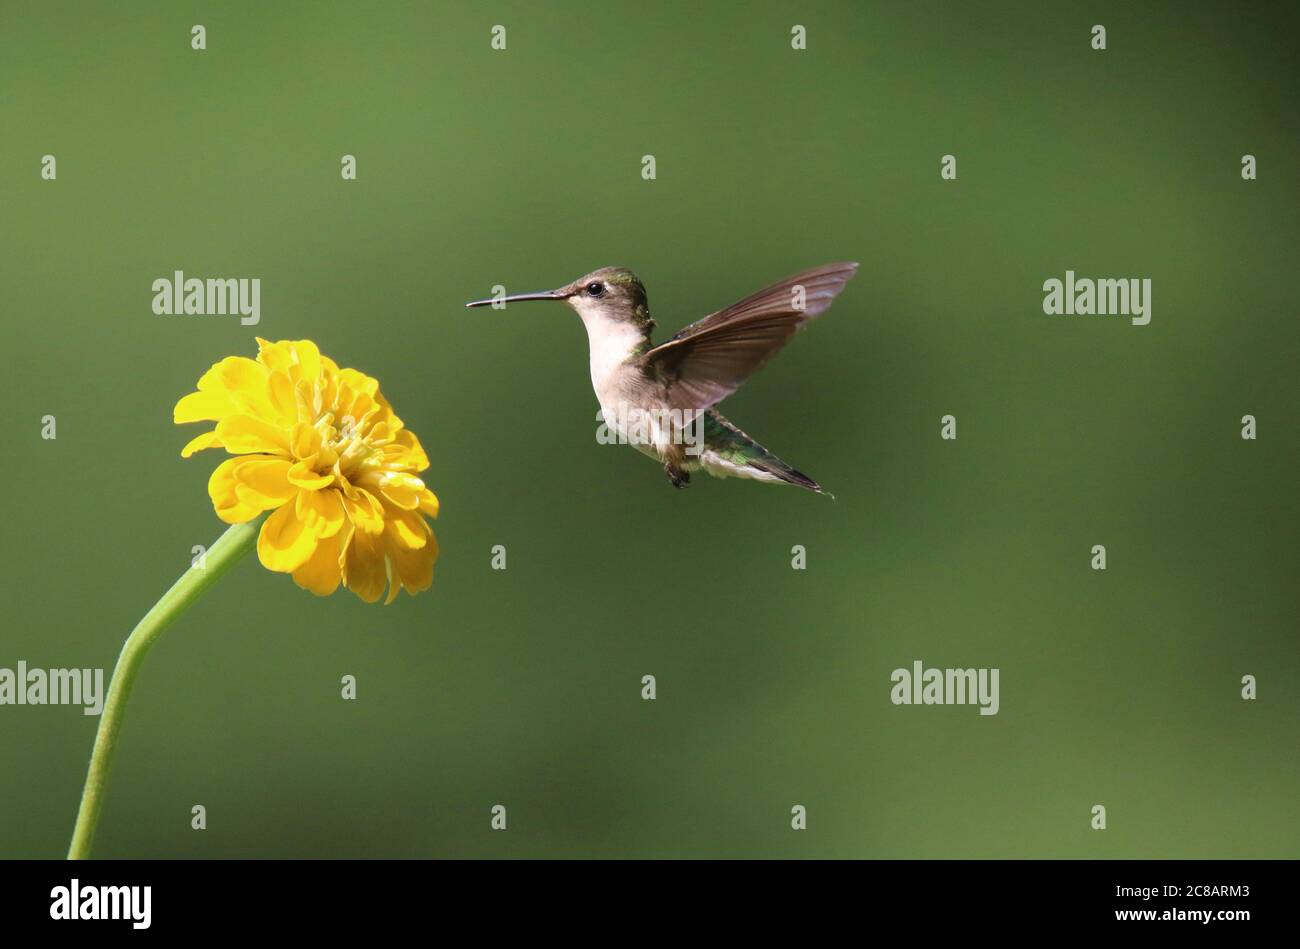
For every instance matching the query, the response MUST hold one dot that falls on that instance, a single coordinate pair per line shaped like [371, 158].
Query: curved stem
[233, 544]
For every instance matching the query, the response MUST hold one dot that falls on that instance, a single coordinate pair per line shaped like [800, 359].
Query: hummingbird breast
[612, 345]
[632, 402]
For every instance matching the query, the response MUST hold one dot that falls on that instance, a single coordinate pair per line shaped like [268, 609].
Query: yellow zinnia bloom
[320, 447]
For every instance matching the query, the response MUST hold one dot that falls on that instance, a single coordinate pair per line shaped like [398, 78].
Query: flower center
[344, 447]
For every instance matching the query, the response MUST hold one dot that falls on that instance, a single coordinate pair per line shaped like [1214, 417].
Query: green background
[522, 167]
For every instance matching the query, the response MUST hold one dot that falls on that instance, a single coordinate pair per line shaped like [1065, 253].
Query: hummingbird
[665, 395]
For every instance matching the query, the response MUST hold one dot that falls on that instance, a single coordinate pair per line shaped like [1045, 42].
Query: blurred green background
[478, 167]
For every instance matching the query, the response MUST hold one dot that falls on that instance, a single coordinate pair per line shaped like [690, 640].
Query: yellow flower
[322, 448]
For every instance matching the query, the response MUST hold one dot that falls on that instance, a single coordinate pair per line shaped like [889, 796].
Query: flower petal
[323, 572]
[245, 434]
[234, 374]
[308, 358]
[365, 511]
[200, 442]
[280, 393]
[203, 407]
[273, 355]
[407, 529]
[364, 569]
[321, 512]
[397, 487]
[223, 488]
[245, 383]
[305, 440]
[299, 359]
[414, 568]
[402, 489]
[285, 544]
[263, 481]
[405, 451]
[306, 477]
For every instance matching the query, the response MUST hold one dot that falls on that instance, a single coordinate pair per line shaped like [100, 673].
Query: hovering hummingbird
[678, 382]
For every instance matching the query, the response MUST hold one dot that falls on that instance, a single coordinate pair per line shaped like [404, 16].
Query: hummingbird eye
[595, 289]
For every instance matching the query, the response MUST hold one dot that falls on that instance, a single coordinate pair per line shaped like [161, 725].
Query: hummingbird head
[610, 293]
[607, 295]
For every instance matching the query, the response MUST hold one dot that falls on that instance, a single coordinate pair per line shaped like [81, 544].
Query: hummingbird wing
[708, 360]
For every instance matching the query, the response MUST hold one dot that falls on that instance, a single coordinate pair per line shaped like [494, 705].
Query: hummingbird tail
[730, 453]
[775, 466]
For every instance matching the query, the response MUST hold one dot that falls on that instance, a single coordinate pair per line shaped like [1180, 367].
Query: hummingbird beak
[543, 295]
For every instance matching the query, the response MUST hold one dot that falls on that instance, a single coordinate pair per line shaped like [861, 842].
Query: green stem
[223, 555]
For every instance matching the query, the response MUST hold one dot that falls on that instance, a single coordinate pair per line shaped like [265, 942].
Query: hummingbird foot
[677, 476]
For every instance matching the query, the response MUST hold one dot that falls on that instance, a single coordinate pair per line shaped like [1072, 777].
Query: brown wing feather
[708, 360]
